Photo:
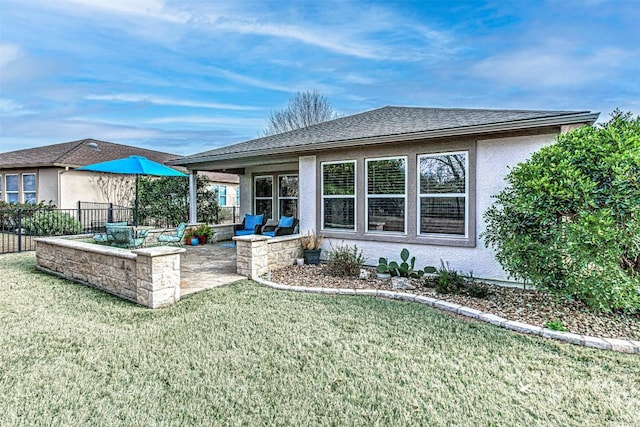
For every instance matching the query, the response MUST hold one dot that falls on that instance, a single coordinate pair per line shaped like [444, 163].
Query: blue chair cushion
[250, 222]
[286, 221]
[244, 232]
[269, 233]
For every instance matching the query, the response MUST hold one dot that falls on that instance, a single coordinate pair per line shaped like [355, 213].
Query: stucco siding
[494, 157]
[78, 186]
[308, 194]
[48, 185]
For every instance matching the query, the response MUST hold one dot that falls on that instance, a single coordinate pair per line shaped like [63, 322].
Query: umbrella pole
[135, 212]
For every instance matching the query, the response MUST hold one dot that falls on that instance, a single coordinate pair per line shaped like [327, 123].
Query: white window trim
[7, 191]
[354, 196]
[384, 196]
[465, 195]
[256, 198]
[288, 198]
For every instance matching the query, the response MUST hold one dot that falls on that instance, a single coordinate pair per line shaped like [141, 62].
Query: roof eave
[582, 117]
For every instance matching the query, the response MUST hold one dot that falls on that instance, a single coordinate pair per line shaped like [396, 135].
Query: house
[392, 178]
[46, 173]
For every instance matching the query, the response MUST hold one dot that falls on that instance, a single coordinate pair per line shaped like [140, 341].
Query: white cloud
[547, 67]
[208, 120]
[145, 8]
[9, 52]
[11, 108]
[160, 100]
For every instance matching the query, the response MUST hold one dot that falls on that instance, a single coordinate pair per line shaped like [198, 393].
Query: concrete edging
[623, 346]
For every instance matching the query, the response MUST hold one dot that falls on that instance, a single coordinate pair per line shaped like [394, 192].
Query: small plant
[383, 266]
[204, 230]
[345, 261]
[311, 241]
[406, 268]
[449, 280]
[555, 325]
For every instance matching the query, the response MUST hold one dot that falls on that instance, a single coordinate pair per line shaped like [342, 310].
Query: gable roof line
[513, 125]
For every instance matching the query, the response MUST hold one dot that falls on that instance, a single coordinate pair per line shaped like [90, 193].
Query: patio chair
[107, 237]
[251, 224]
[127, 237]
[285, 226]
[173, 239]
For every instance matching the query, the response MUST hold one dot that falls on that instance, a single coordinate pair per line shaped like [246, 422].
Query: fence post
[234, 214]
[19, 229]
[80, 212]
[110, 213]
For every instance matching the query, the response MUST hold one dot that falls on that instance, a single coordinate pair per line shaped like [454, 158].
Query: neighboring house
[392, 178]
[46, 173]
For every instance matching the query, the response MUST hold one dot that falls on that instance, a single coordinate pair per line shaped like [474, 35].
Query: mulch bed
[523, 305]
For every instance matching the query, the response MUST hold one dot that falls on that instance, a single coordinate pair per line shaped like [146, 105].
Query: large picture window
[339, 195]
[288, 195]
[443, 194]
[386, 194]
[11, 182]
[263, 196]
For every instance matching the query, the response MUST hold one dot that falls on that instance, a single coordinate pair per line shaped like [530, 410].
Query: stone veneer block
[492, 318]
[524, 328]
[563, 336]
[447, 306]
[636, 345]
[426, 300]
[469, 312]
[347, 291]
[385, 294]
[367, 292]
[405, 296]
[596, 343]
[623, 346]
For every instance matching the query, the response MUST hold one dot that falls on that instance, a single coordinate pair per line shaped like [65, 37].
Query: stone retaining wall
[256, 255]
[147, 276]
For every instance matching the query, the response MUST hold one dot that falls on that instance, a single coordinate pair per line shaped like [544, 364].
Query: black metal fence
[19, 226]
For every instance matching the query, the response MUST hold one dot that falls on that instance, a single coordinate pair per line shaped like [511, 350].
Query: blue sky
[188, 76]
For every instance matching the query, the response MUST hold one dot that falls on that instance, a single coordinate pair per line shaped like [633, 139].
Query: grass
[249, 355]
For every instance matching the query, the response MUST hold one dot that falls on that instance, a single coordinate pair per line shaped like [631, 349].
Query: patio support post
[193, 199]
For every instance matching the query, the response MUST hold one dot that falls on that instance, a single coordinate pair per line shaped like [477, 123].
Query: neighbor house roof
[75, 154]
[391, 124]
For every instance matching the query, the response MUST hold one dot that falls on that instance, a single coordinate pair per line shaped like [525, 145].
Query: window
[222, 195]
[1, 199]
[29, 188]
[263, 203]
[443, 194]
[386, 195]
[11, 182]
[339, 195]
[288, 195]
[237, 203]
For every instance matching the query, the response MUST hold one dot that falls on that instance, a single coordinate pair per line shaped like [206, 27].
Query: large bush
[51, 223]
[167, 199]
[569, 219]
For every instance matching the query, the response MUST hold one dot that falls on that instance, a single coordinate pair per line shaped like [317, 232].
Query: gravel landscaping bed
[528, 306]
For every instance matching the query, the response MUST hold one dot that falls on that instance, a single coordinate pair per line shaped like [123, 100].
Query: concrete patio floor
[207, 266]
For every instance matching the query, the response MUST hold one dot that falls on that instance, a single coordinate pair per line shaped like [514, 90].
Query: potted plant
[311, 247]
[204, 233]
[382, 270]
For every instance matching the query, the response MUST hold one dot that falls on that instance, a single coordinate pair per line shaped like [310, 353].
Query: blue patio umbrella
[133, 165]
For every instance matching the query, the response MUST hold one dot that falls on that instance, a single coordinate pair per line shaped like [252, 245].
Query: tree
[167, 199]
[569, 219]
[304, 109]
[116, 189]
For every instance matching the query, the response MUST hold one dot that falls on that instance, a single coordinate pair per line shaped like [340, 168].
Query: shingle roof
[389, 123]
[76, 154]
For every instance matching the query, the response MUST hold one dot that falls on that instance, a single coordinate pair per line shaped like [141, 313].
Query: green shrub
[345, 261]
[555, 325]
[449, 281]
[51, 223]
[569, 219]
[406, 267]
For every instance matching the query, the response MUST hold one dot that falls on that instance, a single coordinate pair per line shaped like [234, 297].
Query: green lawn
[249, 355]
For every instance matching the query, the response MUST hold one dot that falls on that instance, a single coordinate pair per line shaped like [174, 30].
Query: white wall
[78, 185]
[494, 157]
[48, 185]
[307, 193]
